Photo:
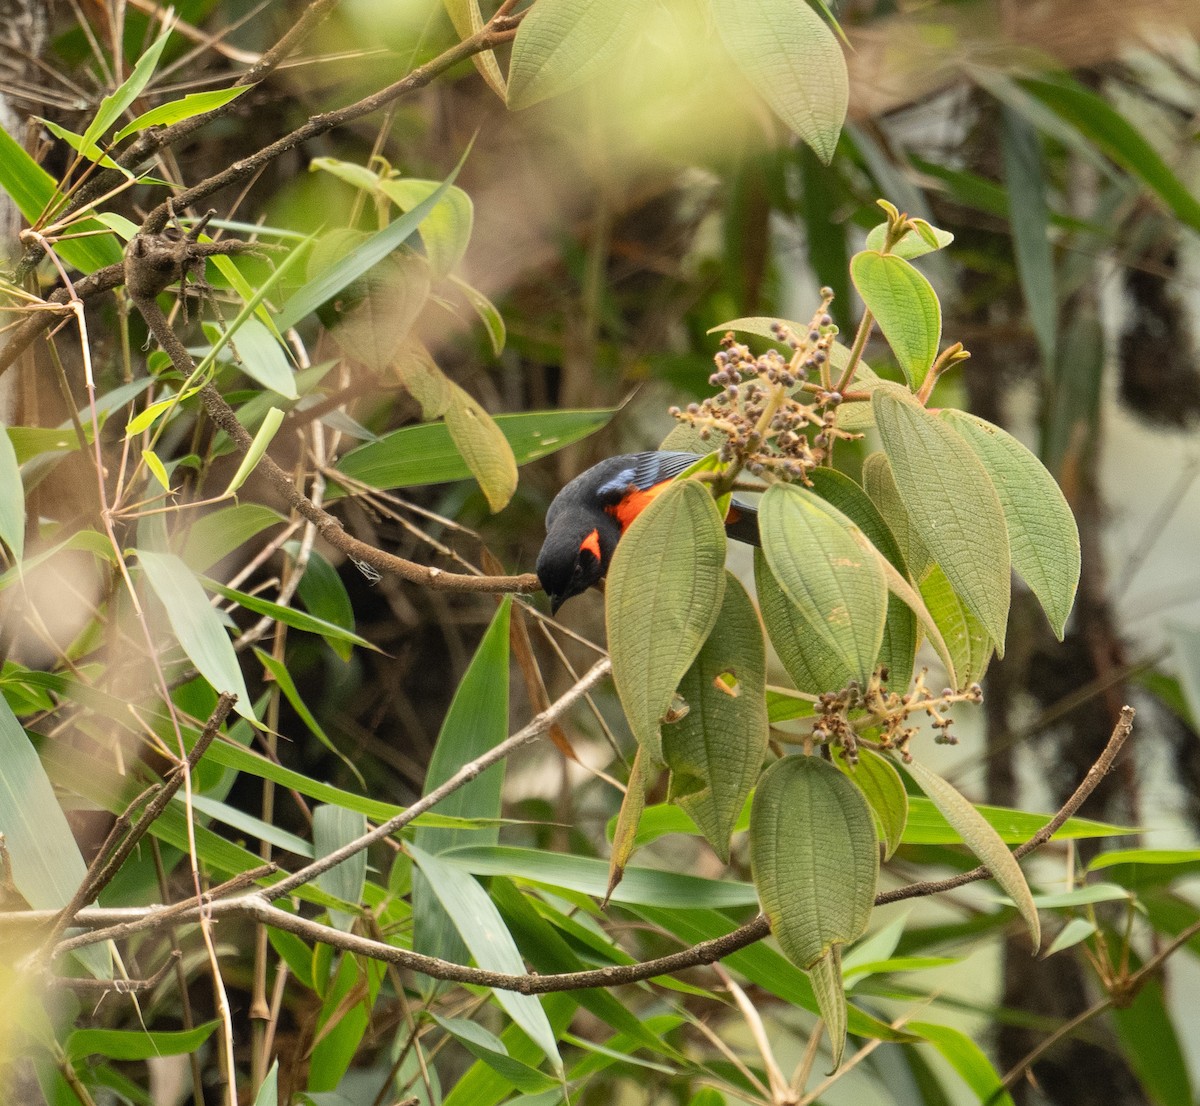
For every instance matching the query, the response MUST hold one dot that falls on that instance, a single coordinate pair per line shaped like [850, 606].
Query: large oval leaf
[966, 639]
[826, 567]
[563, 43]
[665, 587]
[814, 855]
[979, 836]
[884, 790]
[812, 666]
[715, 752]
[951, 498]
[1042, 534]
[904, 305]
[900, 629]
[880, 485]
[483, 446]
[791, 57]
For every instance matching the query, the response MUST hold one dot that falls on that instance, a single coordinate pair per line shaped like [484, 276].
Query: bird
[588, 516]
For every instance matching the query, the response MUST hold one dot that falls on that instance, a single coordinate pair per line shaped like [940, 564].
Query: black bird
[587, 518]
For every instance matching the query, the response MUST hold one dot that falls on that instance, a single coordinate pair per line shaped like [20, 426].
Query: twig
[123, 986]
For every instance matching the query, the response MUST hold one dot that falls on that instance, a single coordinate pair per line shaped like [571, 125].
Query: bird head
[573, 558]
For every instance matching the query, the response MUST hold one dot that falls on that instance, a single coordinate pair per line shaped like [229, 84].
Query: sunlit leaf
[12, 498]
[489, 315]
[665, 587]
[911, 245]
[715, 751]
[425, 454]
[478, 922]
[193, 104]
[904, 305]
[468, 20]
[196, 626]
[982, 840]
[483, 446]
[446, 230]
[113, 106]
[333, 827]
[262, 439]
[791, 57]
[136, 1044]
[564, 43]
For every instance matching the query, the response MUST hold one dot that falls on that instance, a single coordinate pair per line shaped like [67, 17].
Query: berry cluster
[769, 405]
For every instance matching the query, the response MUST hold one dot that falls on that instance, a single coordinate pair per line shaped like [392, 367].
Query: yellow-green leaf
[665, 588]
[880, 485]
[625, 834]
[468, 20]
[904, 305]
[1042, 533]
[715, 751]
[563, 43]
[952, 501]
[825, 565]
[791, 57]
[884, 790]
[12, 498]
[483, 446]
[968, 642]
[446, 230]
[982, 840]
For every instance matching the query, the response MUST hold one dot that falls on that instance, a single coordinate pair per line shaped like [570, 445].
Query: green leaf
[12, 498]
[812, 666]
[446, 230]
[44, 861]
[904, 305]
[879, 482]
[145, 419]
[715, 751]
[279, 673]
[32, 189]
[333, 827]
[968, 642]
[478, 922]
[157, 468]
[195, 103]
[564, 43]
[360, 260]
[425, 454]
[375, 317]
[827, 568]
[1042, 533]
[786, 51]
[1075, 931]
[262, 439]
[113, 106]
[665, 587]
[476, 721]
[490, 1049]
[966, 1058]
[91, 152]
[196, 625]
[268, 1093]
[343, 1020]
[911, 245]
[493, 321]
[483, 446]
[815, 860]
[589, 876]
[218, 533]
[982, 840]
[952, 500]
[322, 591]
[830, 991]
[899, 647]
[1092, 116]
[262, 358]
[1151, 1043]
[1185, 648]
[814, 855]
[927, 826]
[468, 20]
[136, 1044]
[883, 788]
[1029, 217]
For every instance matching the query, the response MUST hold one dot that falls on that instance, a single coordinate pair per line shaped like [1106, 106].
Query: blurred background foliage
[616, 224]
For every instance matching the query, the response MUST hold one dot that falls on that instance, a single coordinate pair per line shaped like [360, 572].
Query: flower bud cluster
[893, 712]
[774, 414]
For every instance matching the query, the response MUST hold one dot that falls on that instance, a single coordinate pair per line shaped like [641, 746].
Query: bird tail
[741, 523]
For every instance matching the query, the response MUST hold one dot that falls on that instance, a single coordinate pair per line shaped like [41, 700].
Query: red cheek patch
[592, 544]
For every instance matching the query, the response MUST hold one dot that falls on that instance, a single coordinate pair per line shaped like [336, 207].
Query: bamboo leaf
[191, 105]
[665, 587]
[333, 827]
[262, 439]
[446, 230]
[196, 626]
[12, 498]
[113, 106]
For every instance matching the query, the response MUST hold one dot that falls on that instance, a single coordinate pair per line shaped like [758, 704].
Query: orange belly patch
[634, 502]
